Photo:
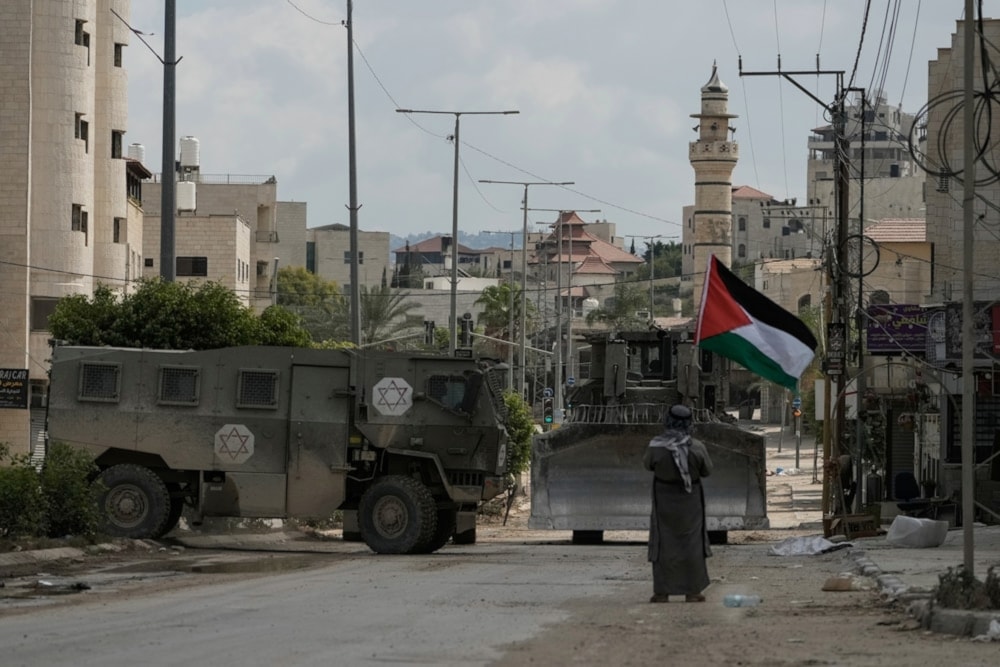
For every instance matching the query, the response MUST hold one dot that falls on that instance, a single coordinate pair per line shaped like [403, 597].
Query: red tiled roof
[593, 264]
[897, 230]
[609, 252]
[746, 192]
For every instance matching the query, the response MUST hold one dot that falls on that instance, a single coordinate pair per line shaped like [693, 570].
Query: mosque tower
[713, 157]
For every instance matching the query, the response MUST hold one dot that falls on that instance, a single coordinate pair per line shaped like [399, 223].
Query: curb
[920, 603]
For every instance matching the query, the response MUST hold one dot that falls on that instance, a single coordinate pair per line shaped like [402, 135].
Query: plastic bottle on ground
[734, 600]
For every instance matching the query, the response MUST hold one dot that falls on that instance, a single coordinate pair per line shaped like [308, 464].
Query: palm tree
[500, 303]
[383, 313]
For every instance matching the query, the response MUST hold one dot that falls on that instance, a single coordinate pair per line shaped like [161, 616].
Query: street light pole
[510, 313]
[453, 325]
[524, 264]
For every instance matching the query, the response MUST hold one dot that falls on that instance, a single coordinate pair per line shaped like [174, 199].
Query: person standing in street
[678, 539]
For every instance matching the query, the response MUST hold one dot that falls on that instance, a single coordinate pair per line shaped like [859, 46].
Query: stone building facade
[67, 221]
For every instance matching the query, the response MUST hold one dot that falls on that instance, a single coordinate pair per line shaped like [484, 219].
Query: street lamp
[524, 259]
[453, 325]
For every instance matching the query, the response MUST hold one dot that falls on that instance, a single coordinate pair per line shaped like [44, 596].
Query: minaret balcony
[713, 150]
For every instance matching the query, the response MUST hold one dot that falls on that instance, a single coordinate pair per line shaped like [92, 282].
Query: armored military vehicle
[587, 474]
[405, 445]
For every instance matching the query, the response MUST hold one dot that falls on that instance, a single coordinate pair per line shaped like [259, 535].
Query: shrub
[520, 428]
[22, 504]
[69, 499]
[959, 589]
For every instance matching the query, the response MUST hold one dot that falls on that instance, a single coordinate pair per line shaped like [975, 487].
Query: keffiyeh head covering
[677, 440]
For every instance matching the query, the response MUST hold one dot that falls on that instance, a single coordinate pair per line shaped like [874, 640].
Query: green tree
[383, 313]
[619, 311]
[324, 310]
[163, 315]
[499, 302]
[520, 428]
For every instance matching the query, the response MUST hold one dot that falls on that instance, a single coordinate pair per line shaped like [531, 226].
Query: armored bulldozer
[405, 445]
[587, 474]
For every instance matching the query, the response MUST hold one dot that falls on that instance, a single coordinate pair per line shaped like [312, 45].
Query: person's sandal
[660, 598]
[694, 598]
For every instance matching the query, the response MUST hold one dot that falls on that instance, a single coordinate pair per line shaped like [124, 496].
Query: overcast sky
[605, 89]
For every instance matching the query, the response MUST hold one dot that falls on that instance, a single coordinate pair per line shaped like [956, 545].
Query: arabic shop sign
[14, 388]
[896, 329]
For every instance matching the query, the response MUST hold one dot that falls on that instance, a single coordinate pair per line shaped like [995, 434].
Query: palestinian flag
[739, 323]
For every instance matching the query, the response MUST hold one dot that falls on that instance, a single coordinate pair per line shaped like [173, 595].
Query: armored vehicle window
[100, 382]
[257, 389]
[448, 390]
[179, 385]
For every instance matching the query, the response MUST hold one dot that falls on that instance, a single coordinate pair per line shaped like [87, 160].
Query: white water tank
[589, 305]
[187, 196]
[137, 152]
[190, 154]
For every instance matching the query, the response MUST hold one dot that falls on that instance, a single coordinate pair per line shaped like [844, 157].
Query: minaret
[713, 157]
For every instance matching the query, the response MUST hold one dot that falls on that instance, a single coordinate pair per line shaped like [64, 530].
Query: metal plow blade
[587, 476]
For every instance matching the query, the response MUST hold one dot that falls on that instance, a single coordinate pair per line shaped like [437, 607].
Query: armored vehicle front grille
[257, 389]
[179, 385]
[100, 381]
[628, 413]
[460, 478]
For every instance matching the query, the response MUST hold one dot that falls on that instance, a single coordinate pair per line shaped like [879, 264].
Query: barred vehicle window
[179, 385]
[99, 381]
[257, 389]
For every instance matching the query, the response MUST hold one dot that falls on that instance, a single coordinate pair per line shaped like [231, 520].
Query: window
[311, 256]
[804, 302]
[78, 219]
[119, 230]
[81, 37]
[742, 250]
[192, 266]
[741, 224]
[148, 262]
[116, 143]
[81, 130]
[767, 223]
[119, 50]
[41, 308]
[257, 389]
[347, 257]
[179, 385]
[99, 381]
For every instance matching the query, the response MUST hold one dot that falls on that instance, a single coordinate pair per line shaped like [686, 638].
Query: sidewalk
[904, 574]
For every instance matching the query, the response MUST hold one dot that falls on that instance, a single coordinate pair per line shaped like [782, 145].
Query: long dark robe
[678, 539]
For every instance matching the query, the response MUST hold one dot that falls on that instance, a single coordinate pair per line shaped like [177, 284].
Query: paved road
[456, 607]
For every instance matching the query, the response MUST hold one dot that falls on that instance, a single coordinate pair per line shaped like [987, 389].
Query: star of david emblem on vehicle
[392, 396]
[234, 443]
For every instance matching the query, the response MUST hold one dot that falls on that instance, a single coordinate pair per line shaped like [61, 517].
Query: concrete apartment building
[69, 198]
[328, 255]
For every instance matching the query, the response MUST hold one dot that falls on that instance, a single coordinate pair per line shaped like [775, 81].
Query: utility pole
[453, 324]
[168, 201]
[510, 313]
[352, 171]
[561, 359]
[524, 265]
[837, 334]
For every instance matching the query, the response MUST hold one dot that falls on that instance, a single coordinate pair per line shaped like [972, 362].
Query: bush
[520, 428]
[959, 589]
[69, 498]
[22, 504]
[53, 502]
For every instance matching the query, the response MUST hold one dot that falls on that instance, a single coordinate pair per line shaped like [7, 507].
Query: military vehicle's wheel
[397, 515]
[465, 537]
[588, 537]
[133, 501]
[173, 516]
[443, 532]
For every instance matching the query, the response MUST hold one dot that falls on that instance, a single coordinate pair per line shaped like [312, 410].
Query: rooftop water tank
[137, 152]
[187, 197]
[190, 153]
